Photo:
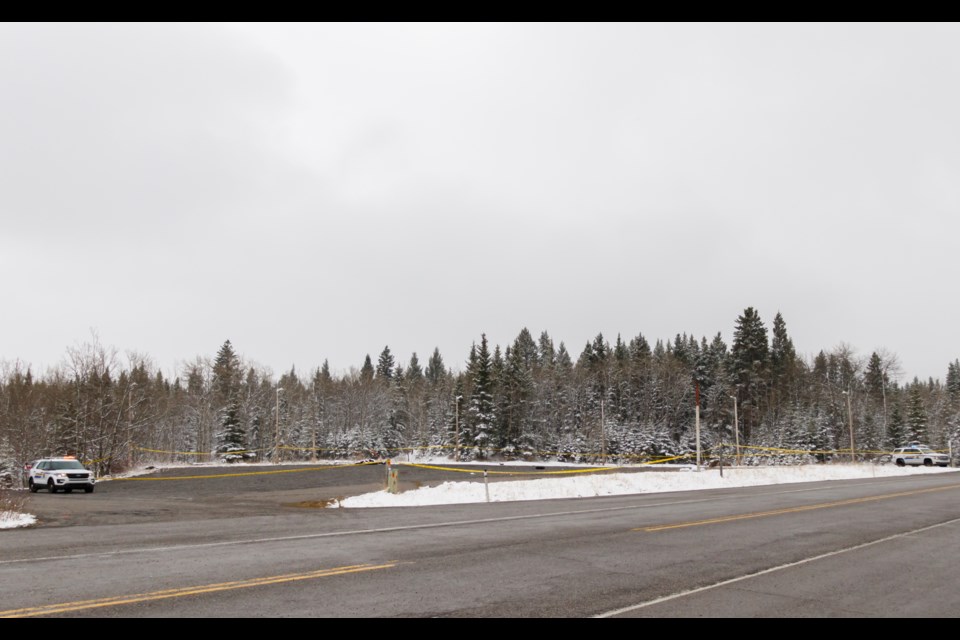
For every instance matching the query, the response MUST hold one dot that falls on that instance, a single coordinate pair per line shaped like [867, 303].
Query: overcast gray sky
[320, 191]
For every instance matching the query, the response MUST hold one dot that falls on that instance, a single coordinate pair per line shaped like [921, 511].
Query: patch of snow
[12, 520]
[609, 484]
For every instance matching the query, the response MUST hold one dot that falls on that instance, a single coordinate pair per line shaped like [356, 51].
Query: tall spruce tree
[231, 435]
[385, 364]
[435, 370]
[916, 415]
[518, 390]
[414, 371]
[525, 349]
[564, 362]
[639, 348]
[873, 377]
[783, 358]
[620, 351]
[481, 417]
[896, 428]
[821, 368]
[953, 382]
[750, 362]
[366, 371]
[547, 352]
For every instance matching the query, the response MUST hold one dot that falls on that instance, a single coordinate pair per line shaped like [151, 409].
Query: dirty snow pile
[612, 483]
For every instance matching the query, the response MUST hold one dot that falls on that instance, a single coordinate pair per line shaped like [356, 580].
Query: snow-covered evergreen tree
[750, 362]
[517, 389]
[916, 415]
[481, 417]
[547, 353]
[953, 387]
[385, 364]
[435, 370]
[231, 436]
[232, 445]
[897, 435]
[783, 361]
[874, 377]
[366, 371]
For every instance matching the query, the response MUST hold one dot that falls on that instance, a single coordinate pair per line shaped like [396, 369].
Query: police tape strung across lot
[756, 455]
[646, 458]
[509, 473]
[239, 474]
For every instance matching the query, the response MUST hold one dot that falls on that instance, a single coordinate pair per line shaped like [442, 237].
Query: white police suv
[918, 454]
[55, 474]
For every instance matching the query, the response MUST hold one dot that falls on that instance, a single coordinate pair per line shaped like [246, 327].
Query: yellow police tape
[388, 449]
[478, 468]
[413, 449]
[244, 473]
[753, 451]
[506, 473]
[819, 451]
[790, 451]
[178, 453]
[360, 464]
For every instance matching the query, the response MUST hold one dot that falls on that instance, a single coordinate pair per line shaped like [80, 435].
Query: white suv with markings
[918, 454]
[55, 474]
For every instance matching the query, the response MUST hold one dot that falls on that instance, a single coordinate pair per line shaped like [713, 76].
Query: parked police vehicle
[917, 454]
[64, 473]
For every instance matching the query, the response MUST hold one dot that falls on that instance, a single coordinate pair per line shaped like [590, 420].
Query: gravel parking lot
[202, 492]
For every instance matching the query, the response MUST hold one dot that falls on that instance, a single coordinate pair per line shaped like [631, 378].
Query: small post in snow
[721, 451]
[697, 387]
[486, 485]
[392, 486]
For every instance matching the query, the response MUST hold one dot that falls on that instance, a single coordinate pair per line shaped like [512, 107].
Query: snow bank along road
[872, 547]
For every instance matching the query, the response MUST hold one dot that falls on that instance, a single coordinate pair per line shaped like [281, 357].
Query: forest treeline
[623, 400]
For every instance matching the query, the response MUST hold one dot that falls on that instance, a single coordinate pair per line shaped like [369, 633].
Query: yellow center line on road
[777, 512]
[68, 607]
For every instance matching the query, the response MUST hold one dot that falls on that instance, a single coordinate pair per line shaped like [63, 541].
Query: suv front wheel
[52, 488]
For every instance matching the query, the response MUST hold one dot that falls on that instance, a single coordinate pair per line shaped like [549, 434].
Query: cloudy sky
[316, 192]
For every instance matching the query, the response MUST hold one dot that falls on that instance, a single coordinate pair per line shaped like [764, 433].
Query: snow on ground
[612, 483]
[11, 520]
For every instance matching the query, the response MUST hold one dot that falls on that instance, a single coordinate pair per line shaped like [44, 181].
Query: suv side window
[42, 466]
